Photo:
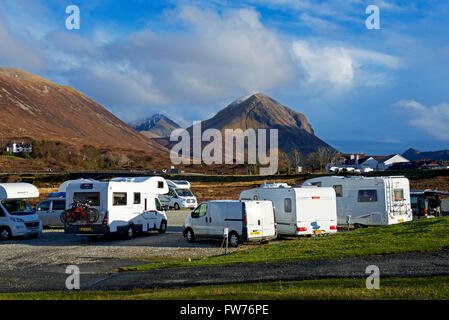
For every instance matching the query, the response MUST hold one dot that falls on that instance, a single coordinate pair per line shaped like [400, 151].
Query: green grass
[422, 235]
[431, 288]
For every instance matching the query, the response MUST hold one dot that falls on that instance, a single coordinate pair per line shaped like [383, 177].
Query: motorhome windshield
[184, 192]
[17, 207]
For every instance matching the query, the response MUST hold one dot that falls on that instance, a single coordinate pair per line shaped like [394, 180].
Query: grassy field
[423, 235]
[431, 288]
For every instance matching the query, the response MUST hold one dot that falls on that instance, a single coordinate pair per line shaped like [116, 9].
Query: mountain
[36, 108]
[413, 154]
[258, 111]
[156, 126]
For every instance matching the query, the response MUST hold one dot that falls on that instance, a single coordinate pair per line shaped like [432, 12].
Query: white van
[17, 217]
[125, 205]
[369, 201]
[299, 210]
[244, 220]
[179, 195]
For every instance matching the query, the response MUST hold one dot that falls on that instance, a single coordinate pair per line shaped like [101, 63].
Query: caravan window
[136, 197]
[287, 205]
[91, 196]
[398, 194]
[256, 197]
[318, 183]
[367, 196]
[338, 190]
[119, 199]
[160, 184]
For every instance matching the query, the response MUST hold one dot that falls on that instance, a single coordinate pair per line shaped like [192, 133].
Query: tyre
[92, 215]
[177, 207]
[190, 235]
[5, 233]
[130, 233]
[234, 239]
[163, 227]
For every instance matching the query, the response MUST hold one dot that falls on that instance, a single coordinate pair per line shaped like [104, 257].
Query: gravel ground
[24, 263]
[54, 247]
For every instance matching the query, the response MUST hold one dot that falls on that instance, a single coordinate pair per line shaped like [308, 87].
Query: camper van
[369, 201]
[125, 205]
[243, 221]
[179, 195]
[299, 211]
[17, 217]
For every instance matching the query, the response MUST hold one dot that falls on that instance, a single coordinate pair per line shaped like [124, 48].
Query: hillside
[413, 154]
[33, 107]
[155, 126]
[259, 111]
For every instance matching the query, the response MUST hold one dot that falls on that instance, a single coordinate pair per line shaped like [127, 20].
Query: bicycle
[81, 211]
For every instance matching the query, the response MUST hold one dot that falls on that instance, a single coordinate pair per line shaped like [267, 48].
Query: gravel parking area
[54, 247]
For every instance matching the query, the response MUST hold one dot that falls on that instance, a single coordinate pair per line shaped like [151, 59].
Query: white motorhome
[369, 201]
[126, 205]
[17, 217]
[299, 210]
[63, 186]
[244, 221]
[179, 195]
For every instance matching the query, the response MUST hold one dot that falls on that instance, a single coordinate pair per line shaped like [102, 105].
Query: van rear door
[253, 219]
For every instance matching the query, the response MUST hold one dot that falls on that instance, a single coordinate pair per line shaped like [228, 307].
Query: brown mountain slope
[31, 106]
[259, 111]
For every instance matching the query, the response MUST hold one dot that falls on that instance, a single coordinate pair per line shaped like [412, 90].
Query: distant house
[386, 162]
[364, 163]
[18, 147]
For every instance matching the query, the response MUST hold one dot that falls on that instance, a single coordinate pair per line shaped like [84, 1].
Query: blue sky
[372, 91]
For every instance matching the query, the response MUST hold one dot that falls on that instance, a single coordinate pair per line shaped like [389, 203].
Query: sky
[376, 91]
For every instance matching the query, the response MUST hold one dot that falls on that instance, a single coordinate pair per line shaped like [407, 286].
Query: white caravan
[17, 217]
[369, 201]
[126, 205]
[244, 221]
[299, 210]
[179, 195]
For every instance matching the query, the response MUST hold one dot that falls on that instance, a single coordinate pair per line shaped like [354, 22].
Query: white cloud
[342, 66]
[433, 119]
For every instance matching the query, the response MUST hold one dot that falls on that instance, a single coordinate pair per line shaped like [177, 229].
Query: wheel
[177, 207]
[234, 239]
[130, 233]
[5, 233]
[163, 227]
[92, 215]
[190, 236]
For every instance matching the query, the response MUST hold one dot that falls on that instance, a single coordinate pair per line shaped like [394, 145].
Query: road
[100, 276]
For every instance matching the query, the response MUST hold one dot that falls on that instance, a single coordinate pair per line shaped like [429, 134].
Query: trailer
[299, 211]
[178, 196]
[369, 201]
[125, 206]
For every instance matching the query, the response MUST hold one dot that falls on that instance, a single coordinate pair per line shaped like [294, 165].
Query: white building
[17, 147]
